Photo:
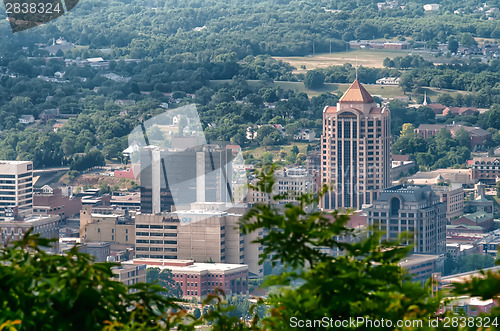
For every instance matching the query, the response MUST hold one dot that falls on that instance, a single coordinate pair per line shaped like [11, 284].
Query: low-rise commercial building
[477, 219]
[130, 201]
[489, 244]
[197, 280]
[45, 226]
[462, 176]
[456, 250]
[422, 266]
[130, 274]
[99, 250]
[107, 224]
[56, 203]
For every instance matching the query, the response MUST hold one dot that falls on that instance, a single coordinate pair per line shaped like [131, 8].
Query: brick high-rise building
[355, 150]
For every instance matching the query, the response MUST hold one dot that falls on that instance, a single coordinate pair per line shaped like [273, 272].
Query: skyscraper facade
[180, 178]
[355, 150]
[16, 194]
[415, 210]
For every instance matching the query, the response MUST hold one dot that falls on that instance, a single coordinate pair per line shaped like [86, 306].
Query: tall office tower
[355, 150]
[414, 209]
[16, 189]
[178, 178]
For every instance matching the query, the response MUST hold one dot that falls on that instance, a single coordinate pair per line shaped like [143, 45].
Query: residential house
[466, 111]
[431, 7]
[388, 81]
[26, 119]
[305, 135]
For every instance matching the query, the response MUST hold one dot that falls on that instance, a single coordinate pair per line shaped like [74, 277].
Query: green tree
[68, 292]
[366, 31]
[491, 118]
[197, 313]
[301, 157]
[452, 45]
[267, 158]
[182, 124]
[314, 79]
[291, 158]
[388, 63]
[462, 137]
[407, 131]
[367, 274]
[467, 40]
[166, 280]
[152, 274]
[472, 262]
[496, 33]
[92, 159]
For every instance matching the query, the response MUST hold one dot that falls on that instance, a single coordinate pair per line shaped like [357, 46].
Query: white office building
[16, 189]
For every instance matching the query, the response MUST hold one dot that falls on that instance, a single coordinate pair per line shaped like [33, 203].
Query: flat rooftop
[466, 276]
[188, 265]
[14, 162]
[417, 259]
[127, 198]
[31, 221]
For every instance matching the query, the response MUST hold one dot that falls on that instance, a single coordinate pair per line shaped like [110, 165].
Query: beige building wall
[130, 274]
[210, 235]
[252, 252]
[156, 236]
[111, 228]
[203, 240]
[454, 199]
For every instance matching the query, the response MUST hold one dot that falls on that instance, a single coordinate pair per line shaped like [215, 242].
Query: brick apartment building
[56, 203]
[485, 169]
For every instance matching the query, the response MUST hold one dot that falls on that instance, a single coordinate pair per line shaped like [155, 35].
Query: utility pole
[330, 47]
[313, 48]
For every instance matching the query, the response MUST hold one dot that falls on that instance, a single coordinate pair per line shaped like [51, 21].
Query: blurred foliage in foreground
[39, 291]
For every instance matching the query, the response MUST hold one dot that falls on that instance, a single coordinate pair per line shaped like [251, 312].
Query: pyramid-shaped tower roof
[356, 93]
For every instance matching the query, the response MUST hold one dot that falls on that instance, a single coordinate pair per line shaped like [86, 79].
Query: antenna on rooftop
[356, 68]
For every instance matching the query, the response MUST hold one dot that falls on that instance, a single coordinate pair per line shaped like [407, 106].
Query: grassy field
[437, 91]
[363, 57]
[385, 91]
[373, 58]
